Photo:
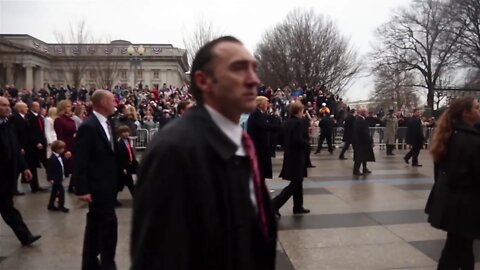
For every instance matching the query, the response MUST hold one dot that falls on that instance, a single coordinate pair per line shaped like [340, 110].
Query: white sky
[150, 21]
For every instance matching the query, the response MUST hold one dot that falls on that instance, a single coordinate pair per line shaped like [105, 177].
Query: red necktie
[257, 181]
[129, 148]
[40, 122]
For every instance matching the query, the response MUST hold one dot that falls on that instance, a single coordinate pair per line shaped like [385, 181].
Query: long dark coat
[348, 128]
[11, 161]
[191, 208]
[362, 141]
[415, 134]
[36, 136]
[295, 143]
[454, 202]
[259, 128]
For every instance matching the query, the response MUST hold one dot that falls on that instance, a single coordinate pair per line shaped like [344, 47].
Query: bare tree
[421, 38]
[466, 14]
[306, 49]
[70, 47]
[394, 87]
[203, 32]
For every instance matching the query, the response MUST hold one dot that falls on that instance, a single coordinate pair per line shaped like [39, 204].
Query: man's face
[233, 86]
[109, 103]
[263, 106]
[35, 107]
[417, 113]
[5, 110]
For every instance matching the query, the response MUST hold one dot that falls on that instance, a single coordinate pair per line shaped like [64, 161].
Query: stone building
[31, 63]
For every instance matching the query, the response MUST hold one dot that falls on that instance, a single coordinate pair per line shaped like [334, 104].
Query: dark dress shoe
[18, 193]
[301, 211]
[406, 160]
[366, 171]
[64, 209]
[311, 166]
[52, 208]
[342, 158]
[357, 173]
[31, 239]
[417, 165]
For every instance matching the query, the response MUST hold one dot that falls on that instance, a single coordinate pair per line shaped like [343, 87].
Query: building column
[28, 76]
[146, 78]
[9, 68]
[39, 78]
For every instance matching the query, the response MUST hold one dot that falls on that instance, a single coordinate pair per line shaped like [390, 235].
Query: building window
[156, 74]
[140, 74]
[123, 74]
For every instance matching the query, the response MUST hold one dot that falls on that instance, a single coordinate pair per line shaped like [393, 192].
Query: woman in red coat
[65, 128]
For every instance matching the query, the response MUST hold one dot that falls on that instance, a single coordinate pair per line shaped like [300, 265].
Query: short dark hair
[182, 105]
[123, 128]
[57, 145]
[202, 62]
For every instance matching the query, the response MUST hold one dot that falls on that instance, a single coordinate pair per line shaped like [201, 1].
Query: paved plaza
[376, 222]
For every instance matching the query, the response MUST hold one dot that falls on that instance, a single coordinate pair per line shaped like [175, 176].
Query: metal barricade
[142, 139]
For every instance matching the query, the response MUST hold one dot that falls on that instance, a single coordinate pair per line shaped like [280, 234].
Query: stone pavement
[373, 222]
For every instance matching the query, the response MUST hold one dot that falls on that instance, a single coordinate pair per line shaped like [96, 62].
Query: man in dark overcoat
[200, 202]
[348, 126]
[11, 163]
[415, 138]
[259, 128]
[362, 144]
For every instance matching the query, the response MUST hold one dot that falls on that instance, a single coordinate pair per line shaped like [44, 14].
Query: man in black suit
[21, 127]
[326, 125]
[37, 144]
[415, 138]
[95, 171]
[11, 163]
[200, 202]
[259, 128]
[347, 133]
[362, 144]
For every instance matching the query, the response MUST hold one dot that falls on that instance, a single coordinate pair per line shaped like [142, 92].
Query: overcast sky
[150, 21]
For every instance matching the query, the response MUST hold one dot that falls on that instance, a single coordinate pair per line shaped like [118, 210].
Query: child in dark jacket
[55, 175]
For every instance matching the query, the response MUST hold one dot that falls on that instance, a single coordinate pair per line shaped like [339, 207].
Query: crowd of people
[201, 200]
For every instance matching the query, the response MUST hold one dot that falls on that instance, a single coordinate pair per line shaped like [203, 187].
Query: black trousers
[57, 192]
[295, 189]
[308, 161]
[321, 139]
[13, 218]
[413, 153]
[100, 234]
[346, 146]
[457, 253]
[356, 165]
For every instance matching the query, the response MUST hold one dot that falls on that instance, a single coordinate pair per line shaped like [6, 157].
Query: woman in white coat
[49, 130]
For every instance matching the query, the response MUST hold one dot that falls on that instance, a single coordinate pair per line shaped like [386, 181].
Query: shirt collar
[57, 155]
[229, 128]
[100, 117]
[34, 113]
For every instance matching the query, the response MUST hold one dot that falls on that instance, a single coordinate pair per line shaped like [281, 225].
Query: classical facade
[31, 63]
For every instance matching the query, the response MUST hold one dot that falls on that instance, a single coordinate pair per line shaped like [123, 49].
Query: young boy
[55, 175]
[126, 159]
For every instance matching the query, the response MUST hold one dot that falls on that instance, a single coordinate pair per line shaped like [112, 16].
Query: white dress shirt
[234, 133]
[103, 121]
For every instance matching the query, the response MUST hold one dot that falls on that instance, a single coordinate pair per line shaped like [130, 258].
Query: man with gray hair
[95, 172]
[362, 144]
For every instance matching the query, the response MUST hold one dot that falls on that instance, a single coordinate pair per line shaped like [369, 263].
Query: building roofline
[63, 44]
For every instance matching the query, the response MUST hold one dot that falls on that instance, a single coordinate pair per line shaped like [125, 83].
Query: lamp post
[135, 59]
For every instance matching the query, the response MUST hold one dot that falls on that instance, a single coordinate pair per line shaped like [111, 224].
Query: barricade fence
[144, 136]
[377, 134]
